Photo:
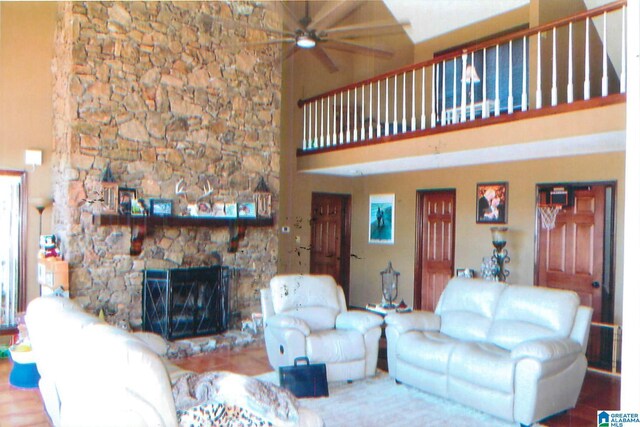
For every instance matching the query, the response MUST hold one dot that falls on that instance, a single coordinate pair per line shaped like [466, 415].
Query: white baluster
[455, 91]
[554, 73]
[413, 102]
[371, 110]
[510, 97]
[423, 117]
[623, 72]
[328, 121]
[496, 104]
[304, 127]
[315, 139]
[570, 71]
[335, 119]
[387, 123]
[322, 122]
[434, 78]
[463, 89]
[587, 71]
[341, 119]
[539, 77]
[525, 88]
[395, 104]
[348, 133]
[605, 60]
[443, 113]
[355, 114]
[485, 104]
[472, 90]
[404, 102]
[378, 117]
[363, 133]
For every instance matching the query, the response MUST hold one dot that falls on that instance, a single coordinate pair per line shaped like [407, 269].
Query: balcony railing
[566, 61]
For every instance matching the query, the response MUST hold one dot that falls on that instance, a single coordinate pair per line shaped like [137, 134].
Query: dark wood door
[435, 219]
[331, 237]
[572, 256]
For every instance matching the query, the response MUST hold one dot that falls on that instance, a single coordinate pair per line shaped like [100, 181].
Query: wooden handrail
[489, 43]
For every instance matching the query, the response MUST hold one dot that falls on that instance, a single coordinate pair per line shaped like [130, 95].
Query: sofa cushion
[467, 307]
[429, 350]
[335, 346]
[483, 364]
[528, 312]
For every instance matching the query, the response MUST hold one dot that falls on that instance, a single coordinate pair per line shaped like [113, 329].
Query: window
[11, 249]
[474, 83]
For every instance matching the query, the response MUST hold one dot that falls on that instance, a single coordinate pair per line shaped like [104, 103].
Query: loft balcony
[549, 91]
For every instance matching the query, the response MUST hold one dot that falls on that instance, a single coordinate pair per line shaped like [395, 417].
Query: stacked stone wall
[158, 91]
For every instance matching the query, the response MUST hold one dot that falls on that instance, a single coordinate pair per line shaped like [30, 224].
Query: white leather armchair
[306, 315]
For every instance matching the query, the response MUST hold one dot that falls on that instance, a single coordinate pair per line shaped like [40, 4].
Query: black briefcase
[305, 380]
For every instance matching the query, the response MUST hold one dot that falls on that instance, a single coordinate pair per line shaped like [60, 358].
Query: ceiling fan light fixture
[305, 42]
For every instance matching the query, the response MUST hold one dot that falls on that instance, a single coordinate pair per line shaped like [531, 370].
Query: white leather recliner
[306, 315]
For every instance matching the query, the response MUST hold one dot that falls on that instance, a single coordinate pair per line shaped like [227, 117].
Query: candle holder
[389, 286]
[500, 254]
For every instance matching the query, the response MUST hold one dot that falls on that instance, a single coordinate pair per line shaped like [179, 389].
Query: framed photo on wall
[125, 196]
[382, 218]
[491, 203]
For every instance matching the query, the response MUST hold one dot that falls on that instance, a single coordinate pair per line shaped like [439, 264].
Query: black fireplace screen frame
[186, 302]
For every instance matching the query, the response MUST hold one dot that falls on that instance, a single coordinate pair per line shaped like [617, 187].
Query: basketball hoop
[548, 215]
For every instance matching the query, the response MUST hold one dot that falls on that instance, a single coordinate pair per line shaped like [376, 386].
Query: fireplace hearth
[186, 302]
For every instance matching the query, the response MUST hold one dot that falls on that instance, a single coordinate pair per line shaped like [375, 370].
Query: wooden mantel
[141, 225]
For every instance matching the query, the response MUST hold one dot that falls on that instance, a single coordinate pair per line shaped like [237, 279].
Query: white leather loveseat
[516, 352]
[306, 315]
[94, 374]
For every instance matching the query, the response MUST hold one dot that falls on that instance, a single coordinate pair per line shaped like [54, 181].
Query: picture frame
[382, 218]
[467, 273]
[161, 207]
[125, 196]
[246, 210]
[230, 210]
[492, 202]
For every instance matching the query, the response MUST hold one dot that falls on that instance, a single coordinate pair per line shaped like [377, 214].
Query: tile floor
[22, 408]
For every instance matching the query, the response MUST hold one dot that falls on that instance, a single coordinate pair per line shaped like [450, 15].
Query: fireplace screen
[186, 302]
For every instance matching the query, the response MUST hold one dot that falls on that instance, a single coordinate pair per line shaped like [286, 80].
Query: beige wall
[472, 240]
[26, 49]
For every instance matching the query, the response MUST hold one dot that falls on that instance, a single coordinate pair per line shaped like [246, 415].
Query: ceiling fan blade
[333, 12]
[322, 55]
[367, 27]
[240, 24]
[351, 47]
[265, 42]
[289, 19]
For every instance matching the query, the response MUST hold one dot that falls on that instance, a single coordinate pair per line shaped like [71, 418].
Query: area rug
[379, 401]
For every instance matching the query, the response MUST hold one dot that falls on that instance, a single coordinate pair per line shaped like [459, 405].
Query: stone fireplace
[149, 89]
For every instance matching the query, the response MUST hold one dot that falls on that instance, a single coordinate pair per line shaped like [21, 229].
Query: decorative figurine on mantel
[262, 197]
[109, 188]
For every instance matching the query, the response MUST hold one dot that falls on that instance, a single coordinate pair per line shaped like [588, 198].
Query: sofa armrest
[413, 321]
[546, 349]
[361, 321]
[288, 322]
[155, 342]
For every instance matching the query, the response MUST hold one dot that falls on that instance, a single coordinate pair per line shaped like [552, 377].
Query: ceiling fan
[315, 34]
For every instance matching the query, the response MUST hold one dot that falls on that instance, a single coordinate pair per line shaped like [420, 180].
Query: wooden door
[435, 223]
[331, 237]
[572, 256]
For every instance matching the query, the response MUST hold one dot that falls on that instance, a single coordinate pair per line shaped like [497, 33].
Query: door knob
[595, 284]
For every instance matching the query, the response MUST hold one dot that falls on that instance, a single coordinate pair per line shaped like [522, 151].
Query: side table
[382, 348]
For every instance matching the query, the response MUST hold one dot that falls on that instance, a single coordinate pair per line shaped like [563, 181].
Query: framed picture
[467, 273]
[491, 203]
[161, 207]
[381, 218]
[230, 210]
[246, 210]
[125, 196]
